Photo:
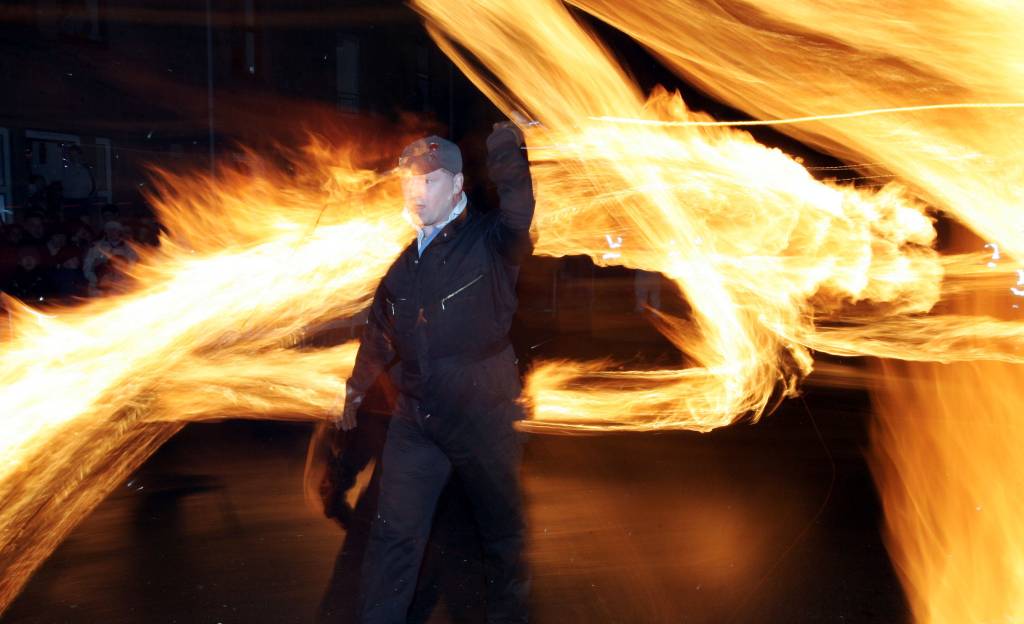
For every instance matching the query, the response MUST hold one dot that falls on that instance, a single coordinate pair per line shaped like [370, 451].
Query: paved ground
[748, 524]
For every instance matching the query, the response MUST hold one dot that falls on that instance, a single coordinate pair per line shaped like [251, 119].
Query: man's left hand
[505, 132]
[342, 411]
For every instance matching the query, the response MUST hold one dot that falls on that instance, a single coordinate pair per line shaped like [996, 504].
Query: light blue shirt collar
[422, 240]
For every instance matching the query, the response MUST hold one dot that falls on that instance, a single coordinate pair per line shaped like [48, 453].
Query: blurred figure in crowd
[79, 185]
[97, 264]
[66, 277]
[30, 282]
[14, 235]
[81, 236]
[35, 193]
[35, 230]
[109, 212]
[55, 245]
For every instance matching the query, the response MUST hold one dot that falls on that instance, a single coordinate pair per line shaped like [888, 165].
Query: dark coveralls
[445, 316]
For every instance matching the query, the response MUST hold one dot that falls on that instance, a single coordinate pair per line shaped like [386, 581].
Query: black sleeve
[376, 350]
[509, 169]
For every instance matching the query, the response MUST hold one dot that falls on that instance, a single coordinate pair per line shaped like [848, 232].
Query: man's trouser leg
[414, 473]
[486, 457]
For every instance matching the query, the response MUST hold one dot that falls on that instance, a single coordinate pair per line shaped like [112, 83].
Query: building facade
[135, 83]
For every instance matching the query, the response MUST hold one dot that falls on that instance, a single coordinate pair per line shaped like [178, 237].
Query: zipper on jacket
[452, 294]
[392, 304]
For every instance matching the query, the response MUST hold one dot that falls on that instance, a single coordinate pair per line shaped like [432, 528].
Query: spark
[1019, 292]
[809, 118]
[995, 254]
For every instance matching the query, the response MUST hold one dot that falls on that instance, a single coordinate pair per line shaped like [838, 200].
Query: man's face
[430, 197]
[34, 225]
[29, 263]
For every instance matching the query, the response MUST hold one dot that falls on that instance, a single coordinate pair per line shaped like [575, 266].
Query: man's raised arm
[509, 169]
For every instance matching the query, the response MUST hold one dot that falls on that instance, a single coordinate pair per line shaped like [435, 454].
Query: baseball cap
[429, 154]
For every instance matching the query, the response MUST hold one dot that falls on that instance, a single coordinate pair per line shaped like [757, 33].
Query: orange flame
[90, 391]
[773, 262]
[946, 455]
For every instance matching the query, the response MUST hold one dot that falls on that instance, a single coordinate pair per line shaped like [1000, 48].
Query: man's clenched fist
[342, 411]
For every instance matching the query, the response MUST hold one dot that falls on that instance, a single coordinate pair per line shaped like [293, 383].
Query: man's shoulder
[480, 217]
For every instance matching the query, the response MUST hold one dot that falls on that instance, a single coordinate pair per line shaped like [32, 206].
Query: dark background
[174, 81]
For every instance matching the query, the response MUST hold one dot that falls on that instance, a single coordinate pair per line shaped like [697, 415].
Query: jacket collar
[460, 221]
[448, 232]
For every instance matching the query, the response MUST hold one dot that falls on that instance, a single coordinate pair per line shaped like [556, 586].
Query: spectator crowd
[63, 250]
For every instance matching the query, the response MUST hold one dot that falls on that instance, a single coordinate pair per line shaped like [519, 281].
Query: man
[66, 276]
[30, 283]
[78, 185]
[35, 230]
[108, 213]
[35, 194]
[54, 247]
[96, 266]
[78, 181]
[443, 311]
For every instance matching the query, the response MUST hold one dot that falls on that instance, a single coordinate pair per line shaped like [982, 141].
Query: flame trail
[810, 118]
[89, 392]
[774, 262]
[818, 58]
[946, 443]
[946, 455]
[945, 446]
